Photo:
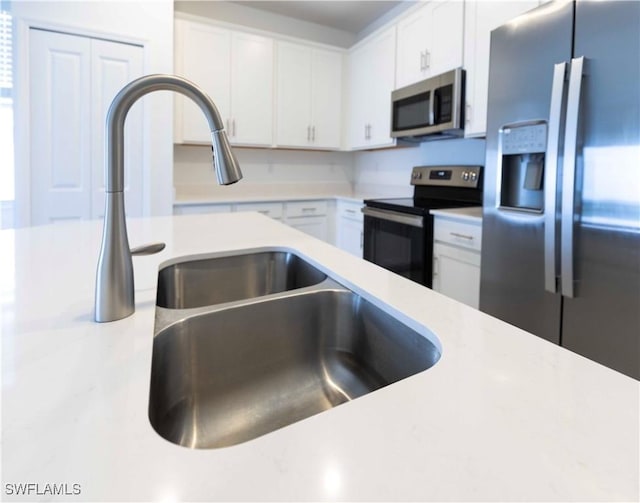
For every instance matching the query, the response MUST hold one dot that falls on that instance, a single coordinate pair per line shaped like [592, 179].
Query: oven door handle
[393, 216]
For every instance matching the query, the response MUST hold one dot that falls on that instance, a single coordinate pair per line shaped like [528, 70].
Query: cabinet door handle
[348, 210]
[308, 210]
[461, 236]
[422, 62]
[467, 117]
[308, 133]
[435, 265]
[313, 133]
[234, 127]
[427, 60]
[361, 240]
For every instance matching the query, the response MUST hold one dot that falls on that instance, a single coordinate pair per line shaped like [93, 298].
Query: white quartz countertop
[503, 415]
[470, 214]
[193, 201]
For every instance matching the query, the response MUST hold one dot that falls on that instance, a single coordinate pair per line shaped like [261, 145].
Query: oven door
[398, 242]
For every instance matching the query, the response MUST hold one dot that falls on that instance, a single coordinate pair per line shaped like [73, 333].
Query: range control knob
[465, 176]
[474, 176]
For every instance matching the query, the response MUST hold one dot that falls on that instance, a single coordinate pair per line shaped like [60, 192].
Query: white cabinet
[198, 209]
[236, 70]
[430, 41]
[350, 227]
[371, 80]
[456, 255]
[480, 19]
[308, 216]
[309, 97]
[72, 81]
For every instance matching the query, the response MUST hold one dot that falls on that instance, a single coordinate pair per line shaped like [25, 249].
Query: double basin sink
[250, 343]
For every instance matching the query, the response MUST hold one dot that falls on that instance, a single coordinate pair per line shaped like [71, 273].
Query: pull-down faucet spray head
[114, 280]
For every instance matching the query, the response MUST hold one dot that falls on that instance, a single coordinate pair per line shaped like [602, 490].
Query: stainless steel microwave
[430, 109]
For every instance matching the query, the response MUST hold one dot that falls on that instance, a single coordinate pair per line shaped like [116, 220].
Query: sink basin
[235, 373]
[205, 282]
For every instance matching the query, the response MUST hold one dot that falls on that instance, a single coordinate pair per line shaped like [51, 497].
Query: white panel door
[381, 82]
[358, 93]
[456, 273]
[251, 89]
[204, 58]
[293, 95]
[413, 42]
[60, 126]
[326, 98]
[446, 33]
[113, 66]
[480, 19]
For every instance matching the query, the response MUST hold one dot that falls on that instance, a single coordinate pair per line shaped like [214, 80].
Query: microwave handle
[432, 105]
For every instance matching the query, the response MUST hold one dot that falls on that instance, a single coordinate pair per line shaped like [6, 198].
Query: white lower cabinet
[309, 217]
[456, 258]
[350, 227]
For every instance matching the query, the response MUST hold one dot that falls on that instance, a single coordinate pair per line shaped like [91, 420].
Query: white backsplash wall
[267, 173]
[388, 172]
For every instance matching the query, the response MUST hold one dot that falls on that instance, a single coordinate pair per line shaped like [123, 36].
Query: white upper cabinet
[371, 80]
[430, 41]
[236, 70]
[480, 19]
[309, 97]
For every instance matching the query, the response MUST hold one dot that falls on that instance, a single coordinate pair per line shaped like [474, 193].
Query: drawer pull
[353, 212]
[308, 210]
[461, 236]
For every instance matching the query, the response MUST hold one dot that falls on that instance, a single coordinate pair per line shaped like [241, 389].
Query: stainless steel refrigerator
[561, 226]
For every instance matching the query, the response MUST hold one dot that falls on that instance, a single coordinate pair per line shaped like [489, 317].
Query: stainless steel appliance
[431, 109]
[398, 233]
[561, 225]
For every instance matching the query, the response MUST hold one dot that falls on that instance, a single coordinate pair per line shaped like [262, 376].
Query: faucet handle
[149, 249]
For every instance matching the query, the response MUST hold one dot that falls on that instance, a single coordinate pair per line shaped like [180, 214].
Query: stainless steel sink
[232, 374]
[205, 282]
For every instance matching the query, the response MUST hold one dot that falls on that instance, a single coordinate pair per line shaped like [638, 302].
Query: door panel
[602, 321]
[523, 54]
[60, 122]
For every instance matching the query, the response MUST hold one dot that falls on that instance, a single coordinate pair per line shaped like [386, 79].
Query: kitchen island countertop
[503, 415]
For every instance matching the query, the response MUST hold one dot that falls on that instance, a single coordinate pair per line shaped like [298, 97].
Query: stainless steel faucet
[114, 280]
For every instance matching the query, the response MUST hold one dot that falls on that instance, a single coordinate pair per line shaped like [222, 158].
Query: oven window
[411, 113]
[400, 248]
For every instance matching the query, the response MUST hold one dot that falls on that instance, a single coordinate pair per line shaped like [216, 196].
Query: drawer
[272, 210]
[350, 210]
[306, 209]
[459, 233]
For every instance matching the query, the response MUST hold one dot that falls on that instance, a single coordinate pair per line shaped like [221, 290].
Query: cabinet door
[480, 19]
[380, 83]
[293, 100]
[251, 90]
[60, 126]
[203, 55]
[413, 42]
[350, 236]
[358, 96]
[326, 99]
[456, 273]
[113, 65]
[314, 226]
[446, 34]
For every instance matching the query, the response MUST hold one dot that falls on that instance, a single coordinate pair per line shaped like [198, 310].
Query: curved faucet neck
[119, 109]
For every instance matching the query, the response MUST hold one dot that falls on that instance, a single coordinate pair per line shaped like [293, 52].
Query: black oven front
[399, 242]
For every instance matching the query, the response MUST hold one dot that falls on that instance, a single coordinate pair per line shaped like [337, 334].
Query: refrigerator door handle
[551, 177]
[569, 176]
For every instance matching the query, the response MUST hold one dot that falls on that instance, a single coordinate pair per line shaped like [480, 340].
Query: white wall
[387, 172]
[148, 23]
